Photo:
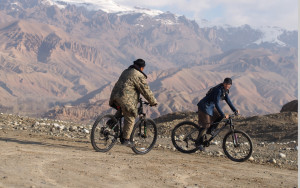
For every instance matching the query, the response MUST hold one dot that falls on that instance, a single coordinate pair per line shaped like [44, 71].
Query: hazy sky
[282, 13]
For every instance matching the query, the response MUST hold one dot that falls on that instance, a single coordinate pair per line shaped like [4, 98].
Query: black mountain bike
[237, 145]
[108, 128]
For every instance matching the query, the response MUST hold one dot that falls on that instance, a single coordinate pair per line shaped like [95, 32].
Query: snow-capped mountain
[266, 34]
[107, 6]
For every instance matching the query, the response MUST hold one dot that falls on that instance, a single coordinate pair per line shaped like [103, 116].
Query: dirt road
[29, 160]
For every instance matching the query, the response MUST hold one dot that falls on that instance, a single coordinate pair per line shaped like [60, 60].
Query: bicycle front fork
[235, 139]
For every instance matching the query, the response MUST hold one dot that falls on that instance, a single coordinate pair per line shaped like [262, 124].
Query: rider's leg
[204, 122]
[118, 114]
[111, 122]
[216, 118]
[129, 120]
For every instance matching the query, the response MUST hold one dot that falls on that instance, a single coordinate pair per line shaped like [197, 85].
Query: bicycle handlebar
[230, 116]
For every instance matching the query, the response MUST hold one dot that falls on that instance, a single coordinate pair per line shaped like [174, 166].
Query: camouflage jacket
[128, 88]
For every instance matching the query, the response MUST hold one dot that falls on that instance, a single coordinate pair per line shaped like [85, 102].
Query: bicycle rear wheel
[144, 136]
[184, 136]
[104, 133]
[237, 146]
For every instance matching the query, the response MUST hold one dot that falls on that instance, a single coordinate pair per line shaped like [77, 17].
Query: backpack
[224, 92]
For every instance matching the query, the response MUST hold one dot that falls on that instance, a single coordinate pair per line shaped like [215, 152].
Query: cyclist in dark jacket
[209, 110]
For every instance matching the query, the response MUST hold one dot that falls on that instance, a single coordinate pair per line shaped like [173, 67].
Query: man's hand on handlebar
[235, 113]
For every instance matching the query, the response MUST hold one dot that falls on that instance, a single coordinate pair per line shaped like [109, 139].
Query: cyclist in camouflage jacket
[126, 93]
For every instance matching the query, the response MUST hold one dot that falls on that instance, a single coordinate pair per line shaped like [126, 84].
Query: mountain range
[60, 59]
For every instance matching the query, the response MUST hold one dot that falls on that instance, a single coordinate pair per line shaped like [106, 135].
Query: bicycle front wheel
[184, 136]
[237, 146]
[144, 135]
[104, 133]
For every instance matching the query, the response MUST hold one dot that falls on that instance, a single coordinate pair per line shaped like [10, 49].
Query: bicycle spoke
[144, 136]
[237, 146]
[184, 136]
[103, 137]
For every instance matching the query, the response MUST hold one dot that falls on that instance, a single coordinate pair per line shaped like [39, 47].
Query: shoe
[199, 145]
[201, 148]
[127, 143]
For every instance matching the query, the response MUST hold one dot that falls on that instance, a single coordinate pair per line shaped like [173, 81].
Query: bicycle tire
[144, 136]
[238, 152]
[189, 138]
[105, 133]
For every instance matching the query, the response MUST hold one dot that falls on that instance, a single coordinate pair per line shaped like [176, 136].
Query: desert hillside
[61, 62]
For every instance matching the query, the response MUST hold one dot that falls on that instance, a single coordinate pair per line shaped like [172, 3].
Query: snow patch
[270, 34]
[107, 6]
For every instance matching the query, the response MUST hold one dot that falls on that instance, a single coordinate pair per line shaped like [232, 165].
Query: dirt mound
[290, 107]
[272, 127]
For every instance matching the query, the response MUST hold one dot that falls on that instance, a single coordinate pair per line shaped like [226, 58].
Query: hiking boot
[127, 143]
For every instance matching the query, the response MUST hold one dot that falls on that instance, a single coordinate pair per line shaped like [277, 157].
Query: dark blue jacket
[212, 100]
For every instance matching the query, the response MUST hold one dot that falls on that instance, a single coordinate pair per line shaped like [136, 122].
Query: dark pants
[205, 120]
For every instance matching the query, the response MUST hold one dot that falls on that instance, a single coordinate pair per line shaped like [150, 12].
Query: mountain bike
[237, 145]
[108, 128]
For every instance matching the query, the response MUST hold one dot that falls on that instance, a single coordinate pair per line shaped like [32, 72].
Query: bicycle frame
[227, 122]
[141, 114]
[237, 145]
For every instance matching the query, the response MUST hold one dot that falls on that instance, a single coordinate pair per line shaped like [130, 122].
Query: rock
[251, 158]
[214, 142]
[262, 144]
[56, 125]
[273, 161]
[36, 124]
[219, 153]
[73, 128]
[282, 155]
[86, 131]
